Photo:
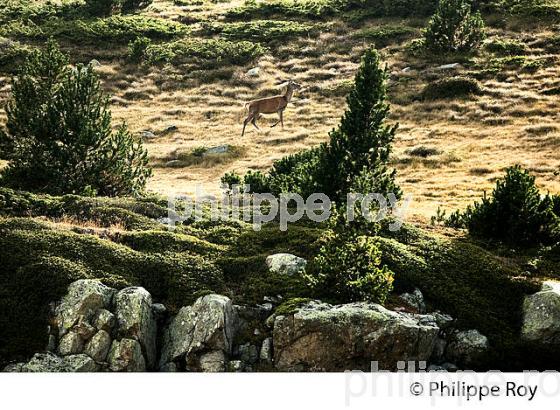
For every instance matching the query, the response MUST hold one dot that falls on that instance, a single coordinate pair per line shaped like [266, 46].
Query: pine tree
[454, 28]
[59, 137]
[362, 142]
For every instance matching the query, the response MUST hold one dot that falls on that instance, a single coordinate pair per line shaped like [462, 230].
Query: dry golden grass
[476, 138]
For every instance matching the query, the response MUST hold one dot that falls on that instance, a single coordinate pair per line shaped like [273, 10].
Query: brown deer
[270, 105]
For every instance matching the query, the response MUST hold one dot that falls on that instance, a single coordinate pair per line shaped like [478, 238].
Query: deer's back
[268, 105]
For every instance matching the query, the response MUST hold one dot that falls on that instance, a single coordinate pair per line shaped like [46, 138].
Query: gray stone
[126, 356]
[285, 263]
[438, 353]
[168, 368]
[349, 337]
[449, 66]
[83, 299]
[98, 346]
[135, 320]
[70, 343]
[212, 362]
[266, 350]
[236, 366]
[209, 324]
[466, 347]
[249, 353]
[104, 320]
[253, 72]
[170, 128]
[84, 329]
[541, 316]
[415, 300]
[148, 135]
[220, 149]
[174, 163]
[443, 320]
[50, 363]
[94, 63]
[51, 344]
[449, 367]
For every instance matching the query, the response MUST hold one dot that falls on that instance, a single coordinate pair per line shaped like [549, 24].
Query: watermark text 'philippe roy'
[259, 208]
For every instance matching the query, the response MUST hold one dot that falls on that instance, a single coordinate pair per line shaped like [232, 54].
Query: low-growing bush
[505, 47]
[12, 54]
[348, 269]
[115, 28]
[454, 28]
[515, 212]
[451, 87]
[137, 49]
[204, 53]
[108, 7]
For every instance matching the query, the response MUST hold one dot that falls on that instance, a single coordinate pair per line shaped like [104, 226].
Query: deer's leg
[282, 118]
[253, 121]
[245, 122]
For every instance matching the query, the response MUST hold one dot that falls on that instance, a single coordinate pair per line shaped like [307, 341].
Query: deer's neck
[289, 94]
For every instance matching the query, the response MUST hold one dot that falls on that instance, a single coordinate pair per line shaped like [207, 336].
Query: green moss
[290, 306]
[384, 35]
[505, 47]
[163, 241]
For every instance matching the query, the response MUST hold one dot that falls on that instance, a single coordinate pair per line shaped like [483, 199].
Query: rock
[83, 299]
[439, 350]
[95, 63]
[348, 337]
[253, 72]
[541, 316]
[414, 300]
[84, 329]
[449, 367]
[80, 363]
[70, 343]
[135, 320]
[104, 320]
[249, 353]
[50, 363]
[168, 368]
[266, 350]
[449, 66]
[159, 309]
[212, 362]
[235, 366]
[209, 324]
[170, 129]
[148, 135]
[51, 344]
[285, 263]
[220, 149]
[443, 320]
[126, 356]
[98, 346]
[466, 347]
[174, 163]
[406, 69]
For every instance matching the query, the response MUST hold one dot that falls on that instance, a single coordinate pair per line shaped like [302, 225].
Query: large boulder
[207, 325]
[285, 263]
[541, 316]
[322, 337]
[466, 348]
[50, 363]
[80, 304]
[126, 356]
[135, 320]
[98, 346]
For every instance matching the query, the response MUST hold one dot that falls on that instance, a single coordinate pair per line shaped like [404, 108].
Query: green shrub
[107, 7]
[230, 179]
[257, 182]
[451, 87]
[506, 47]
[515, 213]
[407, 8]
[204, 53]
[348, 269]
[12, 54]
[59, 137]
[453, 28]
[137, 49]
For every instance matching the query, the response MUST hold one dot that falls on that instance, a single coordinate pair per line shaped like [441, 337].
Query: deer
[270, 105]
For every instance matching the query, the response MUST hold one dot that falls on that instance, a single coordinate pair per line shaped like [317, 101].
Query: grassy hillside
[193, 76]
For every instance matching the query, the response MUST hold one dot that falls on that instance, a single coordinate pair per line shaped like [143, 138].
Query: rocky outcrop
[541, 316]
[415, 300]
[206, 326]
[285, 263]
[322, 337]
[466, 348]
[96, 328]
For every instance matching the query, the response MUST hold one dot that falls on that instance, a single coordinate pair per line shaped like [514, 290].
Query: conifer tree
[362, 143]
[58, 136]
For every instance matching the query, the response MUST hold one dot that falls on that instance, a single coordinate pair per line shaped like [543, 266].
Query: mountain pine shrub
[59, 137]
[454, 28]
[515, 212]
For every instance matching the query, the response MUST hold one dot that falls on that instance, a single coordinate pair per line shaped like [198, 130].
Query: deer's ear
[284, 84]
